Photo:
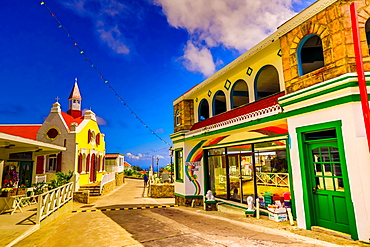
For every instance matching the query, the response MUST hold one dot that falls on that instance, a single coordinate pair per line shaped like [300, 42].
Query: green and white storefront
[312, 144]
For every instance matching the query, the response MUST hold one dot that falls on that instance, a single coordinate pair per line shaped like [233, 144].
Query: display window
[257, 170]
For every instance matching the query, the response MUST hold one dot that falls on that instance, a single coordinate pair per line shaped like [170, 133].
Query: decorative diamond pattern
[249, 71]
[209, 93]
[279, 53]
[227, 84]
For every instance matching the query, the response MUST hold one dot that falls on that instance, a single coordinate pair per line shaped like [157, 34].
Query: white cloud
[139, 156]
[107, 15]
[233, 24]
[198, 59]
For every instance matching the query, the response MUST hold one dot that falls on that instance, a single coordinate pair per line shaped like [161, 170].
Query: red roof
[126, 164]
[252, 107]
[112, 156]
[25, 131]
[69, 119]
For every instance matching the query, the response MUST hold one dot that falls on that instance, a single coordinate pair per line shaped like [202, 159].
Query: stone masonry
[186, 108]
[333, 26]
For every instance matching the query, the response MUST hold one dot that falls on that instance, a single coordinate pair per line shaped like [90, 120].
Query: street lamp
[171, 155]
[157, 167]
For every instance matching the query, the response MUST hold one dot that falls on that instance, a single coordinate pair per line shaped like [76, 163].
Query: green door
[328, 193]
[25, 173]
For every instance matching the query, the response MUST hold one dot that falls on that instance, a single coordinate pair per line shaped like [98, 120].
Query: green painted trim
[323, 84]
[191, 197]
[248, 141]
[291, 187]
[180, 180]
[323, 92]
[210, 202]
[178, 149]
[303, 157]
[205, 173]
[233, 205]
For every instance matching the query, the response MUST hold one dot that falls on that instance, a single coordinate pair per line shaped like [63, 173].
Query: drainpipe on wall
[360, 71]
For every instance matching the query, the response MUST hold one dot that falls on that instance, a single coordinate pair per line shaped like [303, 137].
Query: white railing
[40, 179]
[273, 179]
[52, 200]
[106, 179]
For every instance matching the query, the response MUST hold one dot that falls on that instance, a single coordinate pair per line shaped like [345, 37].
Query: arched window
[266, 82]
[203, 110]
[219, 103]
[239, 94]
[79, 169]
[367, 30]
[310, 54]
[84, 163]
[177, 118]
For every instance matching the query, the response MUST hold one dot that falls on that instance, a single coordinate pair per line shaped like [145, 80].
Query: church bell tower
[75, 102]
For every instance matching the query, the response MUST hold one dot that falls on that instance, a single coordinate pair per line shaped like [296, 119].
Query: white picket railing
[40, 179]
[106, 179]
[273, 179]
[52, 200]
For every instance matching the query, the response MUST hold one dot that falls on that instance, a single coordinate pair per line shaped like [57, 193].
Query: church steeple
[75, 102]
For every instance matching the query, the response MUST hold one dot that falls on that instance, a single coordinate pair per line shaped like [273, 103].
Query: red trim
[69, 119]
[360, 71]
[249, 108]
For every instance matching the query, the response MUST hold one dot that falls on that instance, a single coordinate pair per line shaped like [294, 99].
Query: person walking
[145, 180]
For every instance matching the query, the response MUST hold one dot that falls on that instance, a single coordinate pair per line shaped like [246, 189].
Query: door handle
[314, 190]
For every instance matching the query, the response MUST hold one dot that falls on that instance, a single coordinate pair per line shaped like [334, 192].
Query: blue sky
[151, 51]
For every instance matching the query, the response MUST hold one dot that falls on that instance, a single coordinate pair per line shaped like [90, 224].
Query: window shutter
[88, 163]
[59, 162]
[79, 163]
[40, 165]
[88, 136]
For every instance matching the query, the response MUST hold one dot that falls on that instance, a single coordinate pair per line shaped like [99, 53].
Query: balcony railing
[273, 179]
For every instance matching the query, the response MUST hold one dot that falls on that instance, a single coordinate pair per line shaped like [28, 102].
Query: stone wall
[162, 190]
[81, 196]
[186, 108]
[187, 202]
[333, 26]
[108, 187]
[120, 178]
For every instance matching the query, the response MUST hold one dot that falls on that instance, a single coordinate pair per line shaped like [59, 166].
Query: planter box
[9, 193]
[21, 191]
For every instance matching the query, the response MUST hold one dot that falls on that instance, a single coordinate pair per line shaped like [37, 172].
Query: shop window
[219, 103]
[52, 163]
[266, 82]
[203, 111]
[310, 54]
[367, 30]
[239, 94]
[179, 167]
[177, 118]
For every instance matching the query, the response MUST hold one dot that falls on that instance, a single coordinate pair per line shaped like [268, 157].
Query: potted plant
[22, 190]
[6, 192]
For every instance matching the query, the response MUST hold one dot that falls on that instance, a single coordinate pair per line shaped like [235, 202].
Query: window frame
[299, 51]
[179, 165]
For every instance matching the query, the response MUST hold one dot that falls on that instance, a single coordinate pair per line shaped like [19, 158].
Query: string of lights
[101, 76]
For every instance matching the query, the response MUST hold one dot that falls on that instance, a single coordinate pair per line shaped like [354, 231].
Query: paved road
[175, 226]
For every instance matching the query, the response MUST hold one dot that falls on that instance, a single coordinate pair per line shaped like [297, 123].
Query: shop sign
[193, 166]
[21, 156]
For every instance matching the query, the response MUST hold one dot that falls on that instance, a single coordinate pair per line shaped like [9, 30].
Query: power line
[82, 52]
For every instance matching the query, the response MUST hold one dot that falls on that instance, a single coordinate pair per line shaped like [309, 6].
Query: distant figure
[145, 180]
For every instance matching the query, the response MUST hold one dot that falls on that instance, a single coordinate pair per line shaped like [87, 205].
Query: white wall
[357, 160]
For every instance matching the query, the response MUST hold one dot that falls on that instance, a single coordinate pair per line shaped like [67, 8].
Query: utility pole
[157, 167]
